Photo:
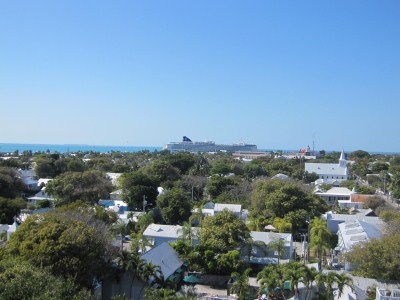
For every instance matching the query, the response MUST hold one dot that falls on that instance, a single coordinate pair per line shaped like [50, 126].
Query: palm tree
[309, 277]
[342, 280]
[247, 248]
[269, 278]
[320, 237]
[257, 223]
[294, 272]
[139, 243]
[327, 279]
[278, 245]
[282, 225]
[122, 229]
[240, 285]
[131, 264]
[149, 273]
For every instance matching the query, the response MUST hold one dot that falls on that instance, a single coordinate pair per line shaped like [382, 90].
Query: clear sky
[143, 73]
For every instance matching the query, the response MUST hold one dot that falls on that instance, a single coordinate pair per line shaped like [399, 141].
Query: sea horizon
[66, 148]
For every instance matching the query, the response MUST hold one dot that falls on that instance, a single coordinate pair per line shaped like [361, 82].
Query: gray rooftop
[165, 257]
[328, 169]
[236, 208]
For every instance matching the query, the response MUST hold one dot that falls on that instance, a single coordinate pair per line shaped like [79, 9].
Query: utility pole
[144, 203]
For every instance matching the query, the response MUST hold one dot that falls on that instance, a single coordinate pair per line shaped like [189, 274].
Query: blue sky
[274, 73]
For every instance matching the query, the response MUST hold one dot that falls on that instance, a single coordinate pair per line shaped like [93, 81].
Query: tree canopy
[10, 208]
[175, 206]
[286, 199]
[223, 232]
[70, 244]
[88, 186]
[137, 184]
[10, 185]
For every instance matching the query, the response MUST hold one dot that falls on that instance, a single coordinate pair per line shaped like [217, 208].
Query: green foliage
[183, 161]
[95, 212]
[162, 294]
[175, 206]
[20, 280]
[10, 185]
[359, 154]
[282, 225]
[310, 177]
[144, 221]
[217, 184]
[379, 166]
[163, 172]
[70, 244]
[240, 284]
[88, 186]
[221, 166]
[45, 167]
[374, 202]
[365, 189]
[278, 246]
[227, 263]
[137, 184]
[390, 215]
[320, 237]
[10, 208]
[254, 169]
[223, 232]
[201, 166]
[284, 199]
[43, 203]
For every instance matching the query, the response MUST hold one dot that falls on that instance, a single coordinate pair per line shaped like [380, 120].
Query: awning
[179, 271]
[191, 279]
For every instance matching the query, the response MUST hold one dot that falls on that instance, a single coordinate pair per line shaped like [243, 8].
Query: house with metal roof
[165, 257]
[334, 172]
[259, 253]
[133, 287]
[354, 232]
[235, 208]
[158, 234]
[367, 215]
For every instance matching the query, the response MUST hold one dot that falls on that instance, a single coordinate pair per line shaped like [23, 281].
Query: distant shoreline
[65, 148]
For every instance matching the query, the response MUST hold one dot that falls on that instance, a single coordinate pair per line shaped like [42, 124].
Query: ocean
[8, 147]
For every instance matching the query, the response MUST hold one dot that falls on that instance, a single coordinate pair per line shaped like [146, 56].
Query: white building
[354, 232]
[210, 210]
[331, 172]
[335, 194]
[260, 253]
[158, 234]
[384, 294]
[367, 215]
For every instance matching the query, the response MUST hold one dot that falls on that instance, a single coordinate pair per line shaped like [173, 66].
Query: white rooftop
[361, 215]
[236, 208]
[357, 231]
[268, 237]
[166, 231]
[327, 169]
[338, 191]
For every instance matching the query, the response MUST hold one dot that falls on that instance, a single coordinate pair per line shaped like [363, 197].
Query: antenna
[313, 144]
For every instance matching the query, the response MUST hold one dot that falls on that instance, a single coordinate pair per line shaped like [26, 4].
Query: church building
[330, 172]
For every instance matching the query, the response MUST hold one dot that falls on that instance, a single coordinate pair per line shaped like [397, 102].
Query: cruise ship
[188, 145]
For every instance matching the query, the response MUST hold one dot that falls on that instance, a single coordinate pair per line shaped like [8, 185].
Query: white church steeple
[342, 160]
